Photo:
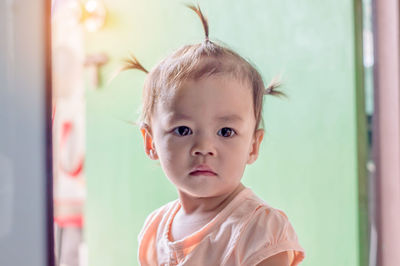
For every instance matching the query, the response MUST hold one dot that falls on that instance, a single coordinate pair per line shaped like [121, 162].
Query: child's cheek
[173, 146]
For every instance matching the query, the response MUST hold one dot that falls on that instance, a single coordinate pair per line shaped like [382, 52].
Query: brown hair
[194, 62]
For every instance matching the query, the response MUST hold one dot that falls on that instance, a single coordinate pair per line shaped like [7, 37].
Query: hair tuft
[272, 88]
[202, 17]
[133, 63]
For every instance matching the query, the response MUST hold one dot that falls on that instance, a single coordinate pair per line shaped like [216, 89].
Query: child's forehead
[217, 85]
[222, 95]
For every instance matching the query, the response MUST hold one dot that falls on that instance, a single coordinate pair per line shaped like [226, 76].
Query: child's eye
[226, 132]
[182, 131]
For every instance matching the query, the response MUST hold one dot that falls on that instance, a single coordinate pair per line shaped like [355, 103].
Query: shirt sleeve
[267, 233]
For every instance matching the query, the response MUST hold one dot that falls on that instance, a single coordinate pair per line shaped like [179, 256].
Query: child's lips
[202, 169]
[205, 173]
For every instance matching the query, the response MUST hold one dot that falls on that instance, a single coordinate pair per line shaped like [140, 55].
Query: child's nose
[203, 146]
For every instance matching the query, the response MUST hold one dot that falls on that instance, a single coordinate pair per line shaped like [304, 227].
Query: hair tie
[268, 90]
[272, 86]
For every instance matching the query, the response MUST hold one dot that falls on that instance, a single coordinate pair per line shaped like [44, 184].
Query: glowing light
[95, 15]
[91, 6]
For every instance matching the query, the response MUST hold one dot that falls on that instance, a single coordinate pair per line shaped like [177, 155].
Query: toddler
[201, 119]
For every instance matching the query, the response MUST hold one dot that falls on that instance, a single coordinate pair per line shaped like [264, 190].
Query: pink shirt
[245, 232]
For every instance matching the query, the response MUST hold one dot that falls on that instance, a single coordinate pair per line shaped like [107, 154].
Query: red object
[65, 134]
[72, 221]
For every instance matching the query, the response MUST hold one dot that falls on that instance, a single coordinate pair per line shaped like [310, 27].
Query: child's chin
[206, 193]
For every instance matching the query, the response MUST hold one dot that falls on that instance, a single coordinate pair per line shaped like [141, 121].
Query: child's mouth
[205, 173]
[202, 169]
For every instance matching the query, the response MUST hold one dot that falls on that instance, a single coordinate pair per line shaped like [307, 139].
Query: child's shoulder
[266, 231]
[253, 206]
[261, 216]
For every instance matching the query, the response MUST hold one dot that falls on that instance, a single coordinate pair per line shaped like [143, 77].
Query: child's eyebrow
[230, 118]
[179, 116]
[225, 118]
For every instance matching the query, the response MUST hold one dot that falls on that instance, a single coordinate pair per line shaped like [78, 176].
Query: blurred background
[329, 159]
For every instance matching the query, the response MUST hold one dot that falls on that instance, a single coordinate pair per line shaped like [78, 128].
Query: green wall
[311, 157]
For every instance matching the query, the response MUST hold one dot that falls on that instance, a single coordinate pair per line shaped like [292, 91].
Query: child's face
[204, 136]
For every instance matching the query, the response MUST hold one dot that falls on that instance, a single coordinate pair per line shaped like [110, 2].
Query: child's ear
[255, 146]
[149, 147]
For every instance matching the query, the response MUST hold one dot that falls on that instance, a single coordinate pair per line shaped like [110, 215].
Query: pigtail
[271, 88]
[133, 63]
[202, 17]
[129, 63]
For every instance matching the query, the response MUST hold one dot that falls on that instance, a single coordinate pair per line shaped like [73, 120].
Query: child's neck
[192, 206]
[197, 212]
